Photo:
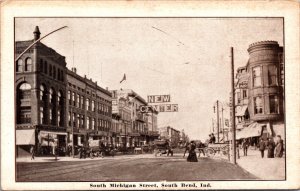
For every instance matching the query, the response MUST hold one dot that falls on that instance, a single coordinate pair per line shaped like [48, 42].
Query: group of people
[274, 149]
[190, 148]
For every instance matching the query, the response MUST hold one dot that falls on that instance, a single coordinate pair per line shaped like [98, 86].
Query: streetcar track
[72, 170]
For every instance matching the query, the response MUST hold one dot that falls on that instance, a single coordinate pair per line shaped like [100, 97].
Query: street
[144, 167]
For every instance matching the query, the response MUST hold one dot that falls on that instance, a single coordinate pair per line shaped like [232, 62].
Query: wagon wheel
[210, 152]
[225, 150]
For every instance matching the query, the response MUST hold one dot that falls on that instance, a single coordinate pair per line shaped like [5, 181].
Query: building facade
[260, 92]
[135, 127]
[53, 102]
[171, 134]
[88, 110]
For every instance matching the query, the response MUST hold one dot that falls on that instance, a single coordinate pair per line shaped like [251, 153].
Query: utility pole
[218, 122]
[233, 144]
[223, 124]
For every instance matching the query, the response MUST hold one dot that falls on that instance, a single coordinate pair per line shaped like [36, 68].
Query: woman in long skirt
[192, 154]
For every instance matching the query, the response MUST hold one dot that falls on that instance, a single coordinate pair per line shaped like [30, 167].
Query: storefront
[25, 138]
[50, 143]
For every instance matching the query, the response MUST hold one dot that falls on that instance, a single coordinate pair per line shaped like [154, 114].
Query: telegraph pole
[233, 132]
[218, 122]
[223, 124]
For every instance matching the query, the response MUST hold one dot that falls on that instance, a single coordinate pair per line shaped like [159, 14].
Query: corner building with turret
[260, 93]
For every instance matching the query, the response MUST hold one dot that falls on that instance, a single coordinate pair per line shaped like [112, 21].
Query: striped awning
[253, 130]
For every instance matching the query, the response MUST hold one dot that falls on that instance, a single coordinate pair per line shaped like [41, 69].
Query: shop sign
[159, 98]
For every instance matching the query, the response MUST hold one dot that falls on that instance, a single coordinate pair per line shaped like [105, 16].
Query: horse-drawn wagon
[220, 148]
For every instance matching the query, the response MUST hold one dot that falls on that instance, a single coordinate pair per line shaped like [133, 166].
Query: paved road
[131, 168]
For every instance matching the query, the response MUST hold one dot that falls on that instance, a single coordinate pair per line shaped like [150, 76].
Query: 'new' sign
[159, 98]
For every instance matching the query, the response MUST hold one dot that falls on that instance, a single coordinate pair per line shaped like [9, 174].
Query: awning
[241, 110]
[253, 130]
[25, 137]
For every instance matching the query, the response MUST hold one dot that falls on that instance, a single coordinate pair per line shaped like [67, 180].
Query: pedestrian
[262, 147]
[279, 147]
[245, 145]
[213, 138]
[201, 147]
[192, 154]
[169, 149]
[271, 148]
[102, 149]
[209, 139]
[187, 148]
[32, 152]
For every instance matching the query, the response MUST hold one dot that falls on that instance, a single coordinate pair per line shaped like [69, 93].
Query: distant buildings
[141, 128]
[171, 134]
[260, 93]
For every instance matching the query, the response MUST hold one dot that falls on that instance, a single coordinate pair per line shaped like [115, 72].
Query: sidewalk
[264, 168]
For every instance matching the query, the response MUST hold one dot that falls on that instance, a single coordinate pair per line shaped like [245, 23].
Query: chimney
[36, 33]
[75, 70]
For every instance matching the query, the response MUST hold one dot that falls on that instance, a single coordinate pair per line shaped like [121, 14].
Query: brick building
[53, 102]
[171, 134]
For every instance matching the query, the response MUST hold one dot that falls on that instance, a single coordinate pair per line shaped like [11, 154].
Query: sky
[186, 58]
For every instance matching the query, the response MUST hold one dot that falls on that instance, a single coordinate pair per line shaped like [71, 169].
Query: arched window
[19, 66]
[42, 92]
[24, 104]
[28, 64]
[51, 95]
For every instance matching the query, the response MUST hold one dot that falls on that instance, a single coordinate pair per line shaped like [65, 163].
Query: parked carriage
[217, 148]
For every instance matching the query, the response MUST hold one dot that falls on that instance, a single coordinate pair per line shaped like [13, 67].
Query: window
[93, 105]
[69, 118]
[73, 98]
[50, 70]
[42, 90]
[257, 76]
[58, 74]
[87, 104]
[19, 65]
[93, 123]
[274, 104]
[41, 115]
[59, 100]
[74, 120]
[87, 122]
[238, 95]
[50, 115]
[81, 101]
[77, 100]
[69, 97]
[258, 105]
[62, 75]
[54, 72]
[244, 93]
[78, 121]
[28, 64]
[58, 117]
[272, 75]
[51, 97]
[82, 121]
[46, 67]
